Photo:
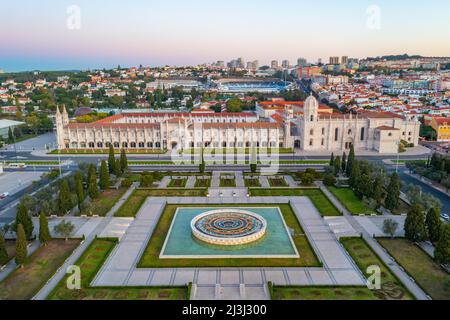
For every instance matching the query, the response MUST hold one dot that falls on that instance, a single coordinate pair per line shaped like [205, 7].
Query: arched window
[99, 145]
[149, 144]
[311, 142]
[91, 145]
[141, 145]
[116, 144]
[124, 144]
[133, 144]
[157, 144]
[336, 134]
[362, 134]
[312, 118]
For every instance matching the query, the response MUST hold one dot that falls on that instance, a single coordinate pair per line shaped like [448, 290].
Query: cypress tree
[44, 232]
[21, 246]
[79, 190]
[337, 165]
[355, 174]
[433, 223]
[392, 200]
[23, 218]
[415, 229]
[64, 199]
[123, 160]
[378, 189]
[332, 159]
[442, 250]
[117, 168]
[10, 136]
[344, 162]
[4, 258]
[350, 161]
[111, 159]
[104, 176]
[92, 183]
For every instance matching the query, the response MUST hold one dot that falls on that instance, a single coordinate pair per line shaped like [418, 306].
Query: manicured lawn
[202, 183]
[277, 182]
[318, 198]
[90, 263]
[364, 256]
[323, 293]
[177, 183]
[150, 258]
[25, 282]
[227, 182]
[104, 202]
[427, 273]
[253, 182]
[348, 198]
[134, 202]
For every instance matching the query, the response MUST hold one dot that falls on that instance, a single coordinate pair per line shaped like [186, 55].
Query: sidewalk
[415, 290]
[59, 275]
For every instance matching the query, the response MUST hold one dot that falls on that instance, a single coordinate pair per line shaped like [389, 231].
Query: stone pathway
[190, 182]
[164, 182]
[264, 182]
[225, 283]
[291, 182]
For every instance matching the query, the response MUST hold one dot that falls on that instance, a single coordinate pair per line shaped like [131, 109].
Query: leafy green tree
[92, 182]
[146, 179]
[21, 246]
[64, 198]
[390, 226]
[64, 228]
[350, 161]
[234, 105]
[123, 160]
[104, 176]
[415, 229]
[79, 190]
[306, 179]
[392, 200]
[442, 250]
[24, 219]
[4, 258]
[344, 162]
[44, 232]
[433, 223]
[111, 159]
[329, 179]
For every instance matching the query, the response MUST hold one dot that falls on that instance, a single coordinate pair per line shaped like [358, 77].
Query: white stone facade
[314, 131]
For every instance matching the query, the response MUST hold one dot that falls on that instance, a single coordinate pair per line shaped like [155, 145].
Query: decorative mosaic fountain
[228, 227]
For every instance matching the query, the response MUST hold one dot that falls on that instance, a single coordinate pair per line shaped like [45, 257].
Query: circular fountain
[228, 227]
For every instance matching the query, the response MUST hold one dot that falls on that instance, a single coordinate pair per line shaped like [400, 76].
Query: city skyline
[178, 33]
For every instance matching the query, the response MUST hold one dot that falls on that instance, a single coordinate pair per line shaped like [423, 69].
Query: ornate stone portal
[228, 227]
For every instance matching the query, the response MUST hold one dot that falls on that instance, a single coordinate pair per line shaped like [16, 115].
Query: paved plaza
[222, 283]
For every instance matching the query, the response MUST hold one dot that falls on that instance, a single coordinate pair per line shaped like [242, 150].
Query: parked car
[4, 195]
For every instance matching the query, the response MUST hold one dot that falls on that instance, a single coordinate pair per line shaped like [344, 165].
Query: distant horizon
[80, 69]
[79, 34]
